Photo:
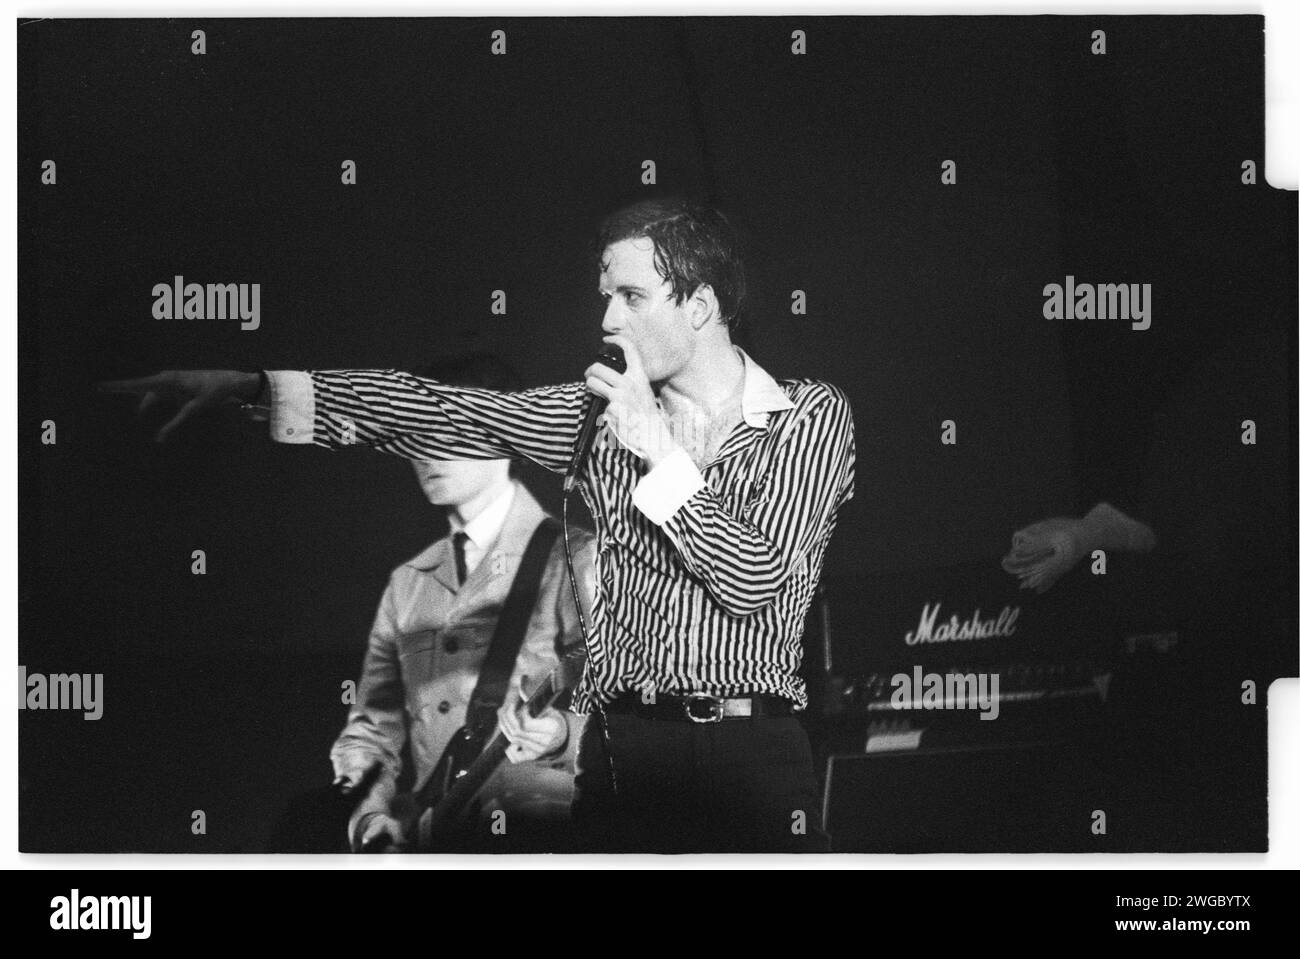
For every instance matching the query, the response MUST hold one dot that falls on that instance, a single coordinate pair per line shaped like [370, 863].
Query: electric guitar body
[445, 808]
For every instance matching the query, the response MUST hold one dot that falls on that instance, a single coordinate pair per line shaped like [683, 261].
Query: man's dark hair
[694, 244]
[477, 370]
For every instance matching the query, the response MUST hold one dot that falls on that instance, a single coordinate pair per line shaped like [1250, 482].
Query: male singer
[714, 490]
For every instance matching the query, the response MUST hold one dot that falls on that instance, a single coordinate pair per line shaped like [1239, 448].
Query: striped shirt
[705, 576]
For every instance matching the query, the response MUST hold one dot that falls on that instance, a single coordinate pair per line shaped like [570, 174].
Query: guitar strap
[508, 637]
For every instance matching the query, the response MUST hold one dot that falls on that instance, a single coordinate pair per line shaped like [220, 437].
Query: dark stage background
[478, 172]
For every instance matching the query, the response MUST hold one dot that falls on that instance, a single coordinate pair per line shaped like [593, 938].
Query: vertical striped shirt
[704, 576]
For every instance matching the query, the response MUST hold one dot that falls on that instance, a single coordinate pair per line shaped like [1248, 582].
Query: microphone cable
[586, 639]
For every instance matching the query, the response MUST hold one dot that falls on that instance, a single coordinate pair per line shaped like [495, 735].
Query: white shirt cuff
[293, 406]
[664, 489]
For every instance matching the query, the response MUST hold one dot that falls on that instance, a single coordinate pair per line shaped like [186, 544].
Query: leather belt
[702, 707]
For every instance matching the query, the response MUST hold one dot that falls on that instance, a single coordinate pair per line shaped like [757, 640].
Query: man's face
[640, 306]
[456, 482]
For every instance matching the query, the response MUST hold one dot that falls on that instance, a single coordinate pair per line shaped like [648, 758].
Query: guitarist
[424, 676]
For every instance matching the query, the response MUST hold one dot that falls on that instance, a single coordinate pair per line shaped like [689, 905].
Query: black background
[480, 172]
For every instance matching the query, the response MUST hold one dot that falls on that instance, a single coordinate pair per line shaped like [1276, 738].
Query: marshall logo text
[956, 629]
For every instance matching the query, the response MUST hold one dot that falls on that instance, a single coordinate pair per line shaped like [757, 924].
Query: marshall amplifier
[954, 712]
[970, 614]
[932, 656]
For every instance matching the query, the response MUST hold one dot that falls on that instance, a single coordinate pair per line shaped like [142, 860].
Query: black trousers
[737, 786]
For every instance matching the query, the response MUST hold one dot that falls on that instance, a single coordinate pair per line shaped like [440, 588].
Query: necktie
[458, 542]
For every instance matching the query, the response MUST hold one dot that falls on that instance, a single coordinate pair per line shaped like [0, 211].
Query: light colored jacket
[428, 642]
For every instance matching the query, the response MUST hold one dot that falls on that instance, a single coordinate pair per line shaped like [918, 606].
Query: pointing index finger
[142, 384]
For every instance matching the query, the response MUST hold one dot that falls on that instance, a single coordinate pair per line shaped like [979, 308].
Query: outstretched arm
[389, 410]
[417, 418]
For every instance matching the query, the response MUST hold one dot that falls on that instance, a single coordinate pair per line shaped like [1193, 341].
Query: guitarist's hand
[531, 737]
[354, 774]
[380, 833]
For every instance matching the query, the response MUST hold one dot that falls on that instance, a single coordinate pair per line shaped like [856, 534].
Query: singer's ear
[702, 307]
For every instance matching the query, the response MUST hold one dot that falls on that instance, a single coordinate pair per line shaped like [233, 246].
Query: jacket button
[444, 707]
[451, 645]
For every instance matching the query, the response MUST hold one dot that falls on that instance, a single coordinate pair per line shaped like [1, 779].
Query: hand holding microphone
[611, 360]
[623, 394]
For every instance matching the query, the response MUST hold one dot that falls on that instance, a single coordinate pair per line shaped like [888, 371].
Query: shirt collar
[484, 528]
[762, 395]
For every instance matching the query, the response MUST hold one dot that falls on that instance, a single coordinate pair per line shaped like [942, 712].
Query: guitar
[472, 755]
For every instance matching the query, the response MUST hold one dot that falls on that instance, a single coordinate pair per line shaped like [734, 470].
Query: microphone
[611, 356]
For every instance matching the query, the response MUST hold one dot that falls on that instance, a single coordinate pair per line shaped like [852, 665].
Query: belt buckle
[717, 708]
